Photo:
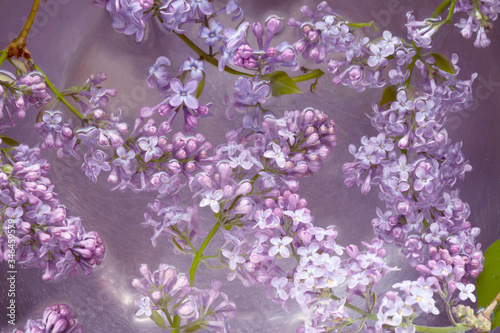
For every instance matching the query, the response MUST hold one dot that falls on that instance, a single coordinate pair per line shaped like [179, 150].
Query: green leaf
[282, 84]
[488, 282]
[6, 77]
[201, 85]
[442, 62]
[9, 141]
[158, 320]
[7, 168]
[20, 65]
[389, 95]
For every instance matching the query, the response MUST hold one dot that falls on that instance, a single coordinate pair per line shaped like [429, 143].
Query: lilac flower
[144, 304]
[250, 93]
[234, 257]
[212, 198]
[280, 246]
[243, 161]
[278, 284]
[195, 67]
[95, 163]
[402, 105]
[481, 40]
[327, 27]
[159, 73]
[38, 213]
[174, 13]
[203, 6]
[441, 270]
[435, 235]
[388, 43]
[149, 146]
[466, 291]
[299, 216]
[422, 297]
[124, 157]
[276, 154]
[127, 17]
[423, 180]
[52, 120]
[309, 274]
[377, 58]
[183, 93]
[212, 35]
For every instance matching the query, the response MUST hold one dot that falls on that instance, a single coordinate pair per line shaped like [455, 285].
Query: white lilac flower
[280, 246]
[276, 154]
[298, 216]
[466, 291]
[278, 284]
[144, 304]
[212, 198]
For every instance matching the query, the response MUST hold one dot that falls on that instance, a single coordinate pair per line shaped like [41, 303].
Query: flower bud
[273, 24]
[271, 52]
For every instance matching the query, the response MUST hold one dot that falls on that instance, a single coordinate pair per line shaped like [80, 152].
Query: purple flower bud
[287, 55]
[257, 30]
[174, 167]
[190, 167]
[180, 154]
[271, 52]
[164, 110]
[300, 46]
[146, 112]
[273, 24]
[203, 110]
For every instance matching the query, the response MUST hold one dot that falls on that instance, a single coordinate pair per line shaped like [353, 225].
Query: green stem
[199, 253]
[177, 324]
[317, 73]
[450, 14]
[207, 57]
[3, 56]
[370, 24]
[58, 94]
[441, 8]
[428, 329]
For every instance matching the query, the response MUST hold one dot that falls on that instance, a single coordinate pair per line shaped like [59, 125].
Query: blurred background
[71, 40]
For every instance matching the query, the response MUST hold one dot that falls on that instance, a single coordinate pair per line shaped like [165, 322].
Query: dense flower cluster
[57, 318]
[18, 94]
[36, 223]
[168, 295]
[250, 184]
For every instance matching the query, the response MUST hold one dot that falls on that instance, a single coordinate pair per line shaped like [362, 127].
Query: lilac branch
[58, 94]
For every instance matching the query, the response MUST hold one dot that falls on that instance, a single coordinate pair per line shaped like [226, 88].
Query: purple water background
[71, 39]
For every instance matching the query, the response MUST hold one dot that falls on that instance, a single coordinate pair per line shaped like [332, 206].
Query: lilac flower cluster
[57, 318]
[169, 300]
[263, 58]
[18, 94]
[325, 33]
[250, 184]
[44, 236]
[177, 95]
[415, 166]
[480, 15]
[131, 16]
[355, 61]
